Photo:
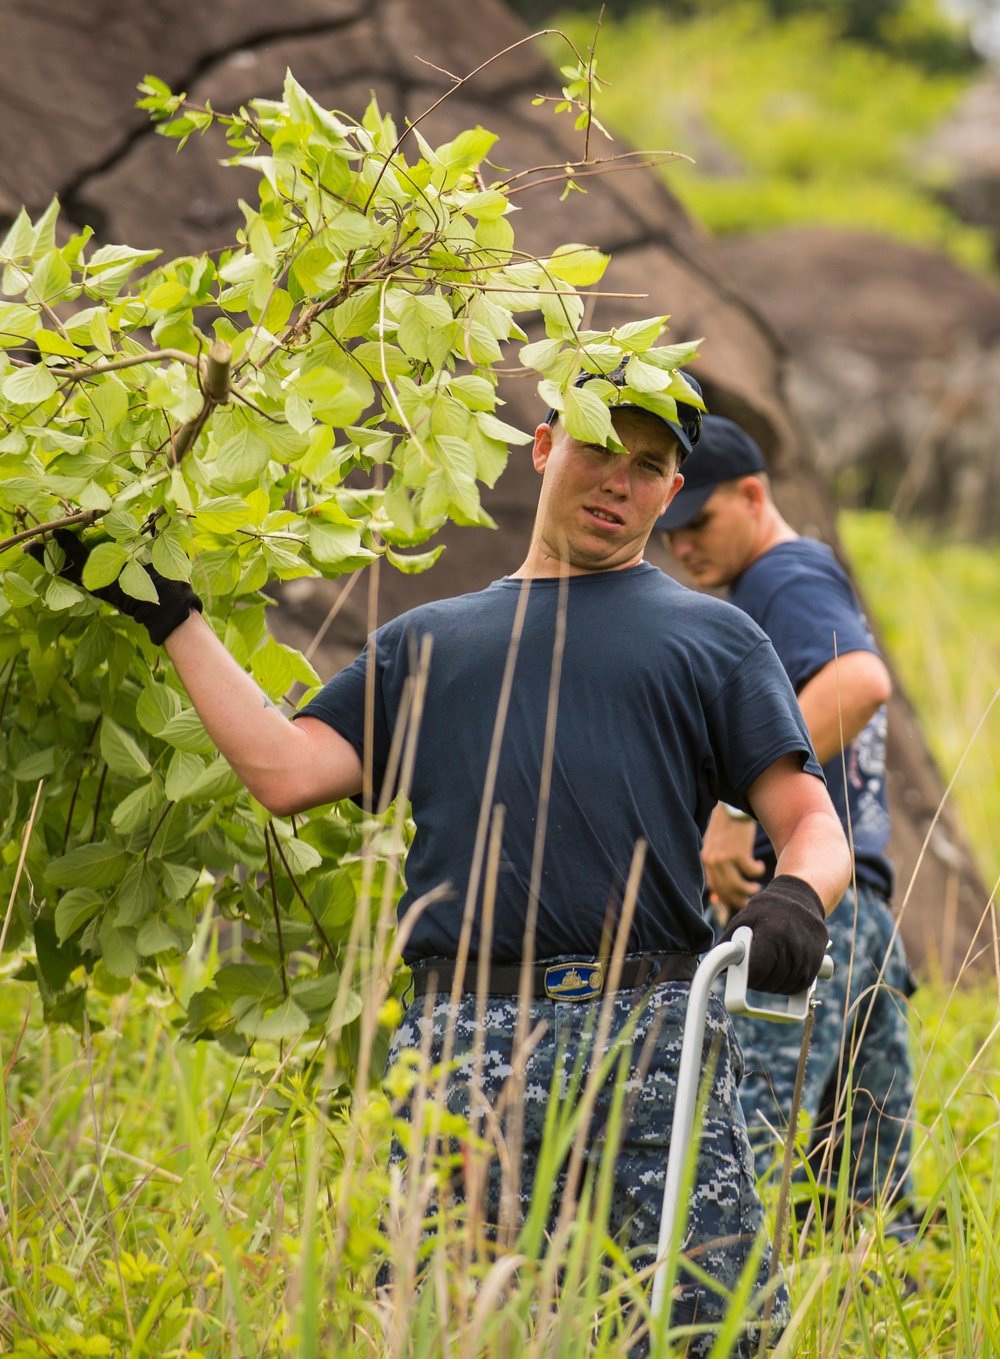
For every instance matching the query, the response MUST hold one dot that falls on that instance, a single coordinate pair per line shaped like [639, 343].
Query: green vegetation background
[789, 124]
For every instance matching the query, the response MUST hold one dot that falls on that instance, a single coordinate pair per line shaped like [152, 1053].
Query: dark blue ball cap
[725, 452]
[686, 428]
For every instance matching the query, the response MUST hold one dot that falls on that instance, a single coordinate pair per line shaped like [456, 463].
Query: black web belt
[567, 979]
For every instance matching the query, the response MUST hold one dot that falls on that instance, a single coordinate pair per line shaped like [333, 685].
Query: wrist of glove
[175, 598]
[789, 935]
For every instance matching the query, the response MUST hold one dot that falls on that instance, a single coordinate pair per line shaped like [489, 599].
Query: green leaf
[38, 765]
[415, 562]
[316, 994]
[135, 581]
[109, 255]
[29, 386]
[179, 880]
[643, 377]
[579, 265]
[51, 342]
[640, 335]
[96, 865]
[136, 896]
[223, 515]
[157, 936]
[301, 856]
[586, 417]
[169, 557]
[350, 230]
[121, 957]
[135, 810]
[183, 769]
[273, 669]
[333, 542]
[62, 594]
[186, 732]
[51, 280]
[103, 565]
[17, 322]
[74, 909]
[284, 1023]
[156, 705]
[234, 980]
[121, 750]
[242, 458]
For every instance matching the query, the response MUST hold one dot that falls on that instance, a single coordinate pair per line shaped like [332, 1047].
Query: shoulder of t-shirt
[802, 562]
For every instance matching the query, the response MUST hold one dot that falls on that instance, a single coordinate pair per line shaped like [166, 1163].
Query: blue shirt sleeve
[811, 615]
[753, 721]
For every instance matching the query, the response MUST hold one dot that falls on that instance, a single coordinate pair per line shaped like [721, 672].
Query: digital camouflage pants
[867, 995]
[725, 1213]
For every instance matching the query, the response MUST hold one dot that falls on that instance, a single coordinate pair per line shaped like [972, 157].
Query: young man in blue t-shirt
[726, 530]
[592, 711]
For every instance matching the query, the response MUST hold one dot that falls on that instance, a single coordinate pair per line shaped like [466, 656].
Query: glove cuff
[797, 892]
[161, 619]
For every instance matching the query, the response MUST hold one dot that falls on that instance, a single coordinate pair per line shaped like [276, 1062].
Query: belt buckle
[574, 981]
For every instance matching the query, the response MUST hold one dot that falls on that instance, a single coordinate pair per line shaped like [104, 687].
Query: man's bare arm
[288, 766]
[796, 812]
[840, 700]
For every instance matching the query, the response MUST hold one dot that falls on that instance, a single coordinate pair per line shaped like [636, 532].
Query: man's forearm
[840, 700]
[276, 758]
[817, 851]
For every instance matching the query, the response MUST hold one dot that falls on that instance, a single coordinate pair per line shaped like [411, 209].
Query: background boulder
[893, 362]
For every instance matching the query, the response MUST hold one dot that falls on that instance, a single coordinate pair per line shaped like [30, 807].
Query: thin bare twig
[20, 863]
[113, 365]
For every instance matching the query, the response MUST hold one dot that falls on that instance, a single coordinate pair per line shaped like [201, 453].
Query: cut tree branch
[215, 392]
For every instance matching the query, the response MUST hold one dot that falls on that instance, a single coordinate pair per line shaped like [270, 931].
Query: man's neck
[773, 530]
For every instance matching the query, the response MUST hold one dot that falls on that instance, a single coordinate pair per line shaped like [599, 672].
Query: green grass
[818, 131]
[165, 1199]
[938, 608]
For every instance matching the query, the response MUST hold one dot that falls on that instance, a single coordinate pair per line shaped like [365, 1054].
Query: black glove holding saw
[789, 935]
[175, 600]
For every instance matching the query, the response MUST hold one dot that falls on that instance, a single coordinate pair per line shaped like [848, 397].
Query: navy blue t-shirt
[801, 597]
[668, 701]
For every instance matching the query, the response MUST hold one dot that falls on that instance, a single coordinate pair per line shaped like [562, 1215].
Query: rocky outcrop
[893, 361]
[66, 95]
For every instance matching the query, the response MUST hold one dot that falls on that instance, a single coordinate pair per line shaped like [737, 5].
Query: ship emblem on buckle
[574, 981]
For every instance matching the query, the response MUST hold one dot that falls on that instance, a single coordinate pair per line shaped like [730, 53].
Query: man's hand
[175, 600]
[727, 853]
[789, 935]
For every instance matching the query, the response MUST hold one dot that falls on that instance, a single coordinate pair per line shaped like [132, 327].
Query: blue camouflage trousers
[866, 997]
[725, 1218]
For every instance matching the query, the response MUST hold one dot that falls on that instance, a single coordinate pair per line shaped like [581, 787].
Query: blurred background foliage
[795, 112]
[937, 606]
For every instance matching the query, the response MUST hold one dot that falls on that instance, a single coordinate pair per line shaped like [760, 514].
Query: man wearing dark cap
[725, 529]
[605, 709]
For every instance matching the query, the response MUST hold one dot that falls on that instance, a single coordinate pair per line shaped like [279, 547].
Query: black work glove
[789, 935]
[176, 598]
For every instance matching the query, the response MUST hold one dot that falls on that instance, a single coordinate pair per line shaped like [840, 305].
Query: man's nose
[618, 475]
[680, 545]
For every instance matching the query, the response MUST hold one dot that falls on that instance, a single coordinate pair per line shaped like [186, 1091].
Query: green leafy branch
[203, 415]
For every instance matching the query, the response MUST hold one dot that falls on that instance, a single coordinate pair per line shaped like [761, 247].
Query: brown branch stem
[83, 518]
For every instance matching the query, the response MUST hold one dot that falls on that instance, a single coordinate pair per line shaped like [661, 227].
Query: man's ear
[752, 489]
[678, 483]
[542, 447]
